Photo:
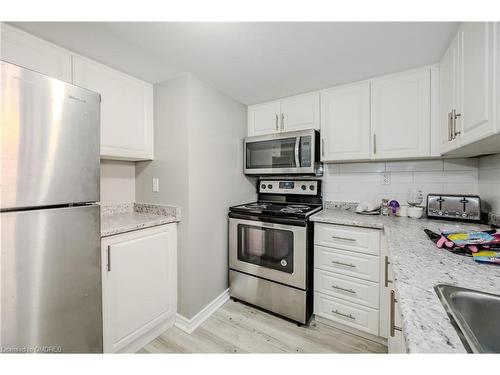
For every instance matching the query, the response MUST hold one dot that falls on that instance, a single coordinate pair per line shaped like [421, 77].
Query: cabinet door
[126, 110]
[264, 118]
[477, 81]
[400, 115]
[139, 283]
[28, 51]
[345, 122]
[449, 96]
[300, 112]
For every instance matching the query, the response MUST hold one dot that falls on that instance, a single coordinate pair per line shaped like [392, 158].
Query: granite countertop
[418, 265]
[127, 217]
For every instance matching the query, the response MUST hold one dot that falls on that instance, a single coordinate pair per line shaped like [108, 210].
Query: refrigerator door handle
[109, 258]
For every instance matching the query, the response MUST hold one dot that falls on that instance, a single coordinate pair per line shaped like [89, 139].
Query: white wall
[117, 182]
[489, 182]
[355, 182]
[198, 158]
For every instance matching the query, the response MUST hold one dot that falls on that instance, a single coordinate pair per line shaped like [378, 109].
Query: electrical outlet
[385, 178]
[156, 185]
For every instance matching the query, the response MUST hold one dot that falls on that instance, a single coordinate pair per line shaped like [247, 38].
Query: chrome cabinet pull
[277, 128]
[450, 127]
[344, 315]
[322, 146]
[374, 143]
[109, 258]
[386, 266]
[455, 115]
[343, 238]
[393, 328]
[344, 264]
[344, 289]
[282, 122]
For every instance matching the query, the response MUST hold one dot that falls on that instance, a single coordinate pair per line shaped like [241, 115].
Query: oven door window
[279, 153]
[266, 247]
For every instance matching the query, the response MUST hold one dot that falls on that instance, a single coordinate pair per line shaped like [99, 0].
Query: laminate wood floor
[239, 328]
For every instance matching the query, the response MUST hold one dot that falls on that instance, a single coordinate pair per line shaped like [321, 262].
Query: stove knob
[440, 213]
[311, 187]
[263, 186]
[303, 187]
[464, 215]
[269, 186]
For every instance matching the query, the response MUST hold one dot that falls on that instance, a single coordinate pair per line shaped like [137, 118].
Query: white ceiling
[254, 62]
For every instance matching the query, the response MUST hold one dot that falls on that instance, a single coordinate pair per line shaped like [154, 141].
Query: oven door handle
[297, 146]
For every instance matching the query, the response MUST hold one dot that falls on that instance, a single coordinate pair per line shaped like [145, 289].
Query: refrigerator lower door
[51, 280]
[50, 140]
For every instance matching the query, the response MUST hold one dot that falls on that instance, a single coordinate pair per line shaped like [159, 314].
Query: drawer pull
[386, 266]
[344, 289]
[344, 315]
[343, 238]
[344, 264]
[392, 326]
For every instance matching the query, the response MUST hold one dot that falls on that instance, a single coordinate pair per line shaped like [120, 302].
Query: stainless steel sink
[476, 317]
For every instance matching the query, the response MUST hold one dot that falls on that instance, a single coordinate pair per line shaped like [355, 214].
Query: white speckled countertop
[418, 265]
[127, 217]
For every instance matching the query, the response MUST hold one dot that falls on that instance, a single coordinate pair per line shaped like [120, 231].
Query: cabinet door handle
[455, 116]
[344, 289]
[282, 122]
[343, 238]
[344, 264]
[108, 256]
[322, 146]
[450, 127]
[344, 315]
[393, 313]
[386, 266]
[277, 128]
[374, 143]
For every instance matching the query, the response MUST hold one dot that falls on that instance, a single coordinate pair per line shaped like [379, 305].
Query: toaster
[454, 207]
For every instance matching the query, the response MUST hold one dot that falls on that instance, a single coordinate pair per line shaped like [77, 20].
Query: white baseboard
[189, 325]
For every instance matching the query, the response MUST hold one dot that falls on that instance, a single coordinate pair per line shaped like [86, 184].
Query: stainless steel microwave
[283, 153]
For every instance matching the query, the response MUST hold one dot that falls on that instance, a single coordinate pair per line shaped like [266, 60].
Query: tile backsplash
[489, 182]
[357, 182]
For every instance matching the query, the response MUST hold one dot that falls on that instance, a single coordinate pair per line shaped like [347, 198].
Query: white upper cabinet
[28, 51]
[400, 115]
[264, 118]
[126, 110]
[299, 112]
[448, 89]
[477, 81]
[345, 122]
[469, 85]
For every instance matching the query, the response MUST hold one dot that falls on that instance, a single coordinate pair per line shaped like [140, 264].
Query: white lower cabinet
[347, 278]
[139, 285]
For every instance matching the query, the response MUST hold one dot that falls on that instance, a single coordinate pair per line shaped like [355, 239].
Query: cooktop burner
[256, 205]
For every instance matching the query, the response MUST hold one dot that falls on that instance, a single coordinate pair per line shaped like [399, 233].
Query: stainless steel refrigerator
[50, 222]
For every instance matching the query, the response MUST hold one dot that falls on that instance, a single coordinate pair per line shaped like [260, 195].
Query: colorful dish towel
[486, 256]
[483, 246]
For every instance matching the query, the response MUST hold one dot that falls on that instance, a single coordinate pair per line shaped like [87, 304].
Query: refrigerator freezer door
[51, 280]
[50, 134]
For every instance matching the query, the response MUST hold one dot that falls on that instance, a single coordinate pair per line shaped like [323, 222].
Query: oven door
[284, 153]
[272, 251]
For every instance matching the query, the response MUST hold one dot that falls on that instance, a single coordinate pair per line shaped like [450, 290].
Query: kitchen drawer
[361, 240]
[356, 316]
[347, 263]
[347, 288]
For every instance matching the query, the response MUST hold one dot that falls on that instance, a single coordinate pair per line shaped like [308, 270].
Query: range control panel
[302, 187]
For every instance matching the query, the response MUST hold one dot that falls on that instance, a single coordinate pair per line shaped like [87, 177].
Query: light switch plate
[385, 178]
[156, 185]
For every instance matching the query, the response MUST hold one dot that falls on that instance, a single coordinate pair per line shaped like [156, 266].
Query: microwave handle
[297, 146]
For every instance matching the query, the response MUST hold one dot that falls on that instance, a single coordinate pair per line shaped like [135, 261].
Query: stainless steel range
[271, 247]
